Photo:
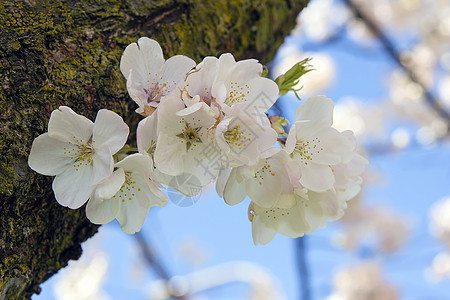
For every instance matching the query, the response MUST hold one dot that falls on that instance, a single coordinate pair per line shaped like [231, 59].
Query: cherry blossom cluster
[206, 122]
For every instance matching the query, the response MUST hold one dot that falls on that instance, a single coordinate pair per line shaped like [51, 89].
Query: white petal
[187, 184]
[136, 91]
[111, 185]
[47, 155]
[103, 165]
[317, 109]
[131, 215]
[263, 93]
[146, 133]
[222, 179]
[175, 70]
[261, 233]
[66, 125]
[136, 163]
[101, 211]
[72, 187]
[315, 177]
[234, 191]
[151, 194]
[144, 57]
[109, 131]
[168, 155]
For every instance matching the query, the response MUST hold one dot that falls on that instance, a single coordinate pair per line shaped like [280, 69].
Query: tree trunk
[67, 53]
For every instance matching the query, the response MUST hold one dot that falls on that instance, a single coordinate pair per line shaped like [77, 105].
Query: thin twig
[305, 293]
[395, 55]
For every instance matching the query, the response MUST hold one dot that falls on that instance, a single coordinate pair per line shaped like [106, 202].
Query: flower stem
[128, 149]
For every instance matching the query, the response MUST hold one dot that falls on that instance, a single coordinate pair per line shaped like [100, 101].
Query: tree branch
[396, 57]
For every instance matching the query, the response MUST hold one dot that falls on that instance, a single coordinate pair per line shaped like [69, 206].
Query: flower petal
[146, 133]
[144, 57]
[72, 187]
[66, 125]
[109, 130]
[102, 211]
[317, 178]
[175, 70]
[262, 233]
[136, 163]
[317, 109]
[111, 185]
[47, 155]
[234, 191]
[103, 165]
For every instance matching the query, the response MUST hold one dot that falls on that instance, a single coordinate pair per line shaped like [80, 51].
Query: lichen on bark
[67, 52]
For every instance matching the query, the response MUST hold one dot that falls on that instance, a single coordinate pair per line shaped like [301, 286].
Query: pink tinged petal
[103, 165]
[109, 131]
[50, 156]
[262, 233]
[137, 92]
[331, 205]
[66, 125]
[337, 143]
[72, 187]
[200, 81]
[234, 191]
[111, 185]
[102, 211]
[174, 71]
[144, 57]
[318, 178]
[317, 109]
[357, 165]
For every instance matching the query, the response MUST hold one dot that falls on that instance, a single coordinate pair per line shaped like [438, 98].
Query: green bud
[265, 71]
[288, 80]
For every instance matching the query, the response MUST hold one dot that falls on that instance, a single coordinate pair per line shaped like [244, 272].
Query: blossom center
[128, 189]
[266, 170]
[236, 137]
[305, 150]
[190, 135]
[80, 152]
[237, 94]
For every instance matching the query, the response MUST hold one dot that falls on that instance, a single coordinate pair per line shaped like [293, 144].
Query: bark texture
[67, 53]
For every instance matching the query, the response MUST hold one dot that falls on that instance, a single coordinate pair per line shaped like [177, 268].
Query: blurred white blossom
[362, 282]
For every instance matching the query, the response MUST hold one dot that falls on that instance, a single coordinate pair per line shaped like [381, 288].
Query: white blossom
[241, 82]
[242, 139]
[126, 195]
[77, 152]
[316, 146]
[263, 182]
[184, 139]
[149, 76]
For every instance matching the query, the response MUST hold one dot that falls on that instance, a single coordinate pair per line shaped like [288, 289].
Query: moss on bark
[67, 53]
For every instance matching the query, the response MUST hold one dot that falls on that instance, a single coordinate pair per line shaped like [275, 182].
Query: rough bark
[67, 53]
